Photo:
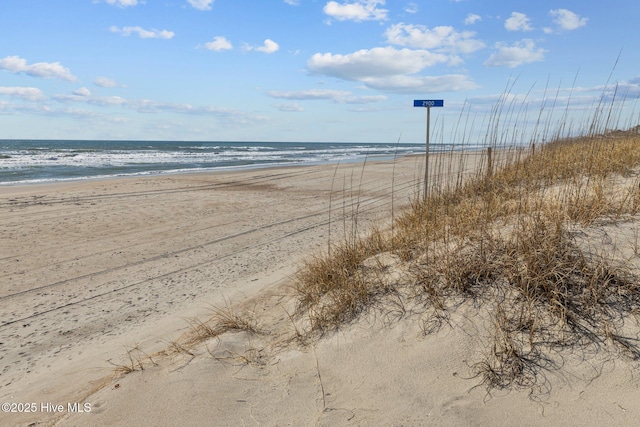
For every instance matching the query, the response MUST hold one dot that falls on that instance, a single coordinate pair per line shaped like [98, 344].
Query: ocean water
[32, 161]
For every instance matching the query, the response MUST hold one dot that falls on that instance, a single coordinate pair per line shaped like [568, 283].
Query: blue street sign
[428, 103]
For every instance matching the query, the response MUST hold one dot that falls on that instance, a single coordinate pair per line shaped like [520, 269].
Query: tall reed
[500, 229]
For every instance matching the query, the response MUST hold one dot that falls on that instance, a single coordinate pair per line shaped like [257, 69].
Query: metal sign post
[428, 103]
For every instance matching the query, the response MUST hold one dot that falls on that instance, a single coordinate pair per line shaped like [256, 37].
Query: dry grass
[501, 235]
[224, 319]
[505, 239]
[335, 290]
[135, 360]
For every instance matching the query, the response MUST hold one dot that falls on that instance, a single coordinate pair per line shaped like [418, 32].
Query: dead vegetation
[223, 320]
[504, 239]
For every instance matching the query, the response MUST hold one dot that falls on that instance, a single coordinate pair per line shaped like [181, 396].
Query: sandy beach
[98, 276]
[92, 269]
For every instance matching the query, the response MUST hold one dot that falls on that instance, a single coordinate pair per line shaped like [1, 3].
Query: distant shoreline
[25, 162]
[222, 169]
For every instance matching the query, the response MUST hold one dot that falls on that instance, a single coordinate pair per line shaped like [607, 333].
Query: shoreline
[68, 160]
[230, 169]
[55, 185]
[221, 169]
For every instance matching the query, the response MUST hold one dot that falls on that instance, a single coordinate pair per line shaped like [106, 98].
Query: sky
[314, 70]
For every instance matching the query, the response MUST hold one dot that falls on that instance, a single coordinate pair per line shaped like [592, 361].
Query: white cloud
[620, 90]
[103, 101]
[376, 62]
[422, 84]
[495, 98]
[311, 94]
[65, 108]
[411, 8]
[289, 108]
[106, 82]
[522, 52]
[631, 88]
[147, 106]
[444, 38]
[122, 3]
[292, 2]
[269, 47]
[390, 69]
[358, 10]
[83, 91]
[367, 99]
[142, 33]
[518, 22]
[567, 20]
[337, 96]
[201, 4]
[472, 18]
[21, 107]
[26, 93]
[219, 43]
[46, 70]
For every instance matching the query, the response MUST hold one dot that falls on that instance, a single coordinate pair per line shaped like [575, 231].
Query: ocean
[35, 161]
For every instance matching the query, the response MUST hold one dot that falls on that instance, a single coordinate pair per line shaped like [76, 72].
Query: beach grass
[506, 231]
[505, 238]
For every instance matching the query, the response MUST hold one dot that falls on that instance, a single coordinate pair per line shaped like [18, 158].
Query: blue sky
[310, 70]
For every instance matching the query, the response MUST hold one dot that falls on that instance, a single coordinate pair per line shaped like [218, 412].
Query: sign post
[428, 103]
